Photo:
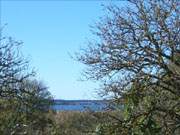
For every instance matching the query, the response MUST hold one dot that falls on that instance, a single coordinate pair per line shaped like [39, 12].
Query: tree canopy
[24, 101]
[137, 59]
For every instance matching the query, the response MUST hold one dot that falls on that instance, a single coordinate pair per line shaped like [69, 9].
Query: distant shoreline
[79, 105]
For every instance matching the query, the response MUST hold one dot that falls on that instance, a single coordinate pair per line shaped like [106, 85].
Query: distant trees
[24, 102]
[80, 123]
[137, 60]
[74, 123]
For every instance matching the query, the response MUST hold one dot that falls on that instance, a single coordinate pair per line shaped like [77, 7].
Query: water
[80, 105]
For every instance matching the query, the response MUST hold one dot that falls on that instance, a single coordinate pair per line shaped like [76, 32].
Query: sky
[51, 32]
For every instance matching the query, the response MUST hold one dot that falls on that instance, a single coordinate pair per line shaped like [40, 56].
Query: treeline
[136, 59]
[24, 101]
[81, 123]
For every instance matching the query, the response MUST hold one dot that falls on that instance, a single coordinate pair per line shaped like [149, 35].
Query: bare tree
[24, 102]
[13, 67]
[133, 58]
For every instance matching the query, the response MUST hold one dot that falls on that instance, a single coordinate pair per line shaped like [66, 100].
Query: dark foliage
[137, 59]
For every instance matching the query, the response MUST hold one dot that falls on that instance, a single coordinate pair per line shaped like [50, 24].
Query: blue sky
[50, 31]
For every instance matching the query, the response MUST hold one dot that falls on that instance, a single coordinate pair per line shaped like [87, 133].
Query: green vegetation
[137, 59]
[80, 123]
[24, 101]
[75, 123]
